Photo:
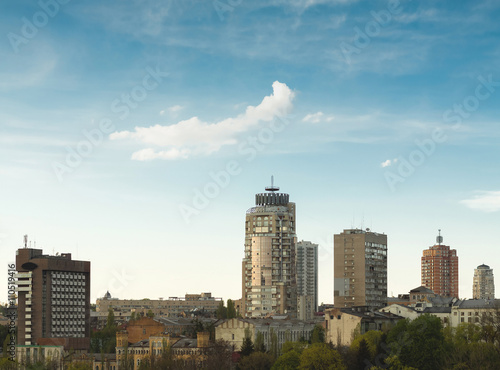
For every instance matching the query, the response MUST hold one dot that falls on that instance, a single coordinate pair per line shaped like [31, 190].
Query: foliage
[256, 361]
[320, 356]
[289, 360]
[419, 343]
[393, 363]
[231, 310]
[221, 312]
[79, 365]
[150, 314]
[273, 350]
[318, 334]
[247, 346]
[219, 356]
[372, 339]
[7, 364]
[133, 316]
[259, 345]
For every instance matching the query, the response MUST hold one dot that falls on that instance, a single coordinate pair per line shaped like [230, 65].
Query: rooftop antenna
[272, 188]
[26, 241]
[439, 238]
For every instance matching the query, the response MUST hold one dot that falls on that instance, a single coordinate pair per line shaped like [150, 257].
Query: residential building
[440, 269]
[360, 269]
[478, 311]
[53, 300]
[307, 279]
[269, 283]
[342, 324]
[484, 283]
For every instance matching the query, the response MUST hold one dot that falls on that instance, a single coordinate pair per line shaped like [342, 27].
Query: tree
[320, 356]
[273, 350]
[363, 355]
[150, 314]
[247, 346]
[419, 343]
[231, 310]
[132, 316]
[219, 356]
[393, 363]
[256, 361]
[372, 338]
[287, 361]
[318, 334]
[221, 312]
[259, 344]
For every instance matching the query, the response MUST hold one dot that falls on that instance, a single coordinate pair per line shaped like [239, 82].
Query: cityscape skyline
[135, 135]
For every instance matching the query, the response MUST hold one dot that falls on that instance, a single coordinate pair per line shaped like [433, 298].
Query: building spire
[272, 188]
[439, 238]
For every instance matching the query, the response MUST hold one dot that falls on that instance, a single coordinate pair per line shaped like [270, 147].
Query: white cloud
[389, 162]
[194, 137]
[175, 108]
[317, 117]
[486, 201]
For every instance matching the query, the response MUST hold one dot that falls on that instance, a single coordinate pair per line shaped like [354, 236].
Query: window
[232, 336]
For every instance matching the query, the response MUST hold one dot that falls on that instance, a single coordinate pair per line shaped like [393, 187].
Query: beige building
[342, 324]
[172, 307]
[281, 329]
[484, 283]
[360, 269]
[269, 283]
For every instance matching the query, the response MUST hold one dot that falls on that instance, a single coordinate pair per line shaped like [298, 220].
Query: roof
[479, 303]
[186, 343]
[422, 289]
[141, 343]
[437, 310]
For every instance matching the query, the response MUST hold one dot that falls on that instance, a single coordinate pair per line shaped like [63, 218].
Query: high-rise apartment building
[307, 279]
[484, 283]
[53, 300]
[440, 269]
[269, 279]
[360, 268]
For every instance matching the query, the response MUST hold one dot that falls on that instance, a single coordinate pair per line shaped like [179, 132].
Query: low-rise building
[342, 324]
[279, 329]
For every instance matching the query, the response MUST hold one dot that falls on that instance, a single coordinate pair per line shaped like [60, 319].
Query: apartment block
[360, 269]
[307, 279]
[440, 269]
[53, 300]
[269, 283]
[484, 283]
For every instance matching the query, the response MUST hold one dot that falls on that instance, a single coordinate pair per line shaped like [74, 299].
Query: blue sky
[115, 116]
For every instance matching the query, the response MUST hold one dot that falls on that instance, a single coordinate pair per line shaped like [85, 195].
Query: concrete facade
[53, 300]
[360, 269]
[269, 283]
[307, 279]
[484, 283]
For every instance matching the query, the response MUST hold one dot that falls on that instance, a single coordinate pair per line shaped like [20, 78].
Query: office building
[307, 279]
[484, 283]
[360, 269]
[440, 269]
[268, 270]
[53, 300]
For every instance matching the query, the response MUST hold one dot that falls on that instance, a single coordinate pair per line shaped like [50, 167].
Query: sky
[135, 134]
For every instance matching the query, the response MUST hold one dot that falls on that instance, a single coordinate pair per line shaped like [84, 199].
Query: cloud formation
[193, 137]
[317, 117]
[388, 162]
[486, 201]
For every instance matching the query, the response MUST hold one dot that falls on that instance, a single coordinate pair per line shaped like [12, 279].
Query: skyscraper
[269, 279]
[307, 279]
[484, 283]
[360, 268]
[440, 269]
[53, 300]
